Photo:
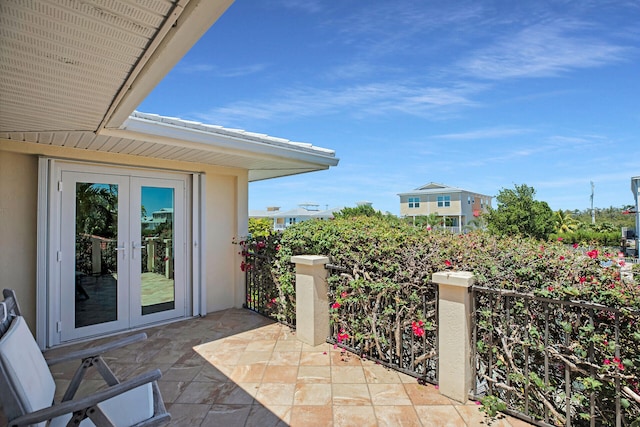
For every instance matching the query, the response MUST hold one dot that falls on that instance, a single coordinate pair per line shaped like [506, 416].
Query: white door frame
[48, 288]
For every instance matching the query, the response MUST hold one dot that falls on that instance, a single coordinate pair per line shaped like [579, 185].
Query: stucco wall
[226, 206]
[18, 211]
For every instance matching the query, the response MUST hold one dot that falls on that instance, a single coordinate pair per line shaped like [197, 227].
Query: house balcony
[238, 368]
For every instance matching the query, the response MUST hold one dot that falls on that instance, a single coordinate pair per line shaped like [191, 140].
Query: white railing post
[455, 374]
[312, 299]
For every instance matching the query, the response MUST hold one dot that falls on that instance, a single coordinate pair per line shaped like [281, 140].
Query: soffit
[73, 71]
[64, 61]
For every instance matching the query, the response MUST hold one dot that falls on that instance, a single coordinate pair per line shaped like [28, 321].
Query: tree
[362, 210]
[260, 227]
[518, 213]
[564, 222]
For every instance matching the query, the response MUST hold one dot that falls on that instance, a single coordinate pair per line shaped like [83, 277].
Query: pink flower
[335, 305]
[560, 239]
[583, 279]
[277, 248]
[343, 294]
[606, 362]
[342, 336]
[447, 263]
[561, 257]
[616, 360]
[550, 288]
[575, 246]
[621, 366]
[593, 254]
[417, 328]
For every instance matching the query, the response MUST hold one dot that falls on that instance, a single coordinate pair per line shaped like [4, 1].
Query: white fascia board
[168, 134]
[186, 29]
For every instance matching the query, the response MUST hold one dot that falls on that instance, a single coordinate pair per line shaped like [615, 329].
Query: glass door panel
[156, 246]
[157, 275]
[93, 254]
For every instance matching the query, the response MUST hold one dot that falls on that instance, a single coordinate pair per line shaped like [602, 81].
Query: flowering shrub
[378, 304]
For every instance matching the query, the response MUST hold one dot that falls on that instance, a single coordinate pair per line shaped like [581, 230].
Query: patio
[238, 368]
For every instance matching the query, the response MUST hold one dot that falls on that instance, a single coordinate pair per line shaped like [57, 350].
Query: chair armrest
[86, 402]
[95, 351]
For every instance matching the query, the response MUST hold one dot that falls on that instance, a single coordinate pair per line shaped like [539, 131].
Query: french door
[123, 249]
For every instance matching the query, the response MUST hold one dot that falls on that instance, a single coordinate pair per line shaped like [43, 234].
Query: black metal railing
[262, 293]
[554, 362]
[385, 327]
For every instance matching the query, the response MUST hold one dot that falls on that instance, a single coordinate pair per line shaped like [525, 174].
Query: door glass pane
[96, 272]
[157, 249]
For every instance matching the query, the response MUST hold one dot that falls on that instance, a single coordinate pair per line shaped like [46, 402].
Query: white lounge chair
[27, 387]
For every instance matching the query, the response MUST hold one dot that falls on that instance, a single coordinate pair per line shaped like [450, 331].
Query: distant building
[458, 207]
[283, 219]
[158, 217]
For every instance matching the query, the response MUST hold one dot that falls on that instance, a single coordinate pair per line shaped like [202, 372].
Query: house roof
[72, 73]
[436, 188]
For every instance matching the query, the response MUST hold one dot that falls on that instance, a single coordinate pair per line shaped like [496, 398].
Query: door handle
[123, 249]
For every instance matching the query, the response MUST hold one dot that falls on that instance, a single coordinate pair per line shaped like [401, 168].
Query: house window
[468, 200]
[414, 202]
[444, 201]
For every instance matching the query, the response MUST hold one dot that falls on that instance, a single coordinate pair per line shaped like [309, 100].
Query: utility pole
[593, 213]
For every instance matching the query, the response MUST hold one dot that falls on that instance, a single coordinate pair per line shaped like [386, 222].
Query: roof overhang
[72, 74]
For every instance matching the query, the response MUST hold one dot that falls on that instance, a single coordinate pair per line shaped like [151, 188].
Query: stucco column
[455, 373]
[312, 299]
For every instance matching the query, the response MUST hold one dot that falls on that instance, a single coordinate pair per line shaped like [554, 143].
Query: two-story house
[456, 207]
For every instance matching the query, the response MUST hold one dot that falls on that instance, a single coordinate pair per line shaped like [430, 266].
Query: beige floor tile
[312, 394]
[248, 373]
[170, 390]
[187, 414]
[388, 394]
[379, 374]
[315, 358]
[272, 416]
[275, 394]
[213, 373]
[425, 395]
[314, 374]
[280, 374]
[285, 358]
[289, 344]
[396, 416]
[347, 374]
[227, 415]
[441, 416]
[472, 415]
[261, 345]
[250, 357]
[354, 416]
[350, 394]
[311, 416]
[343, 358]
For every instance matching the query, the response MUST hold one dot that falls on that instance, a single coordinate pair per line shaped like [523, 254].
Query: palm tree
[564, 222]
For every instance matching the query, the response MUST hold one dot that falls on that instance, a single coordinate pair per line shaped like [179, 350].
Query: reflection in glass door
[157, 293]
[123, 251]
[157, 250]
[96, 270]
[94, 236]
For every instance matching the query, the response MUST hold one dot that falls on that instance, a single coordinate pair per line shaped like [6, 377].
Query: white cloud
[491, 133]
[542, 50]
[358, 100]
[221, 72]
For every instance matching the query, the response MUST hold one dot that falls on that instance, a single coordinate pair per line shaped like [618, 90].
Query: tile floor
[237, 368]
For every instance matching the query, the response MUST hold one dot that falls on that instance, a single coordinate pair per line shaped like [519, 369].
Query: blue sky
[480, 95]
